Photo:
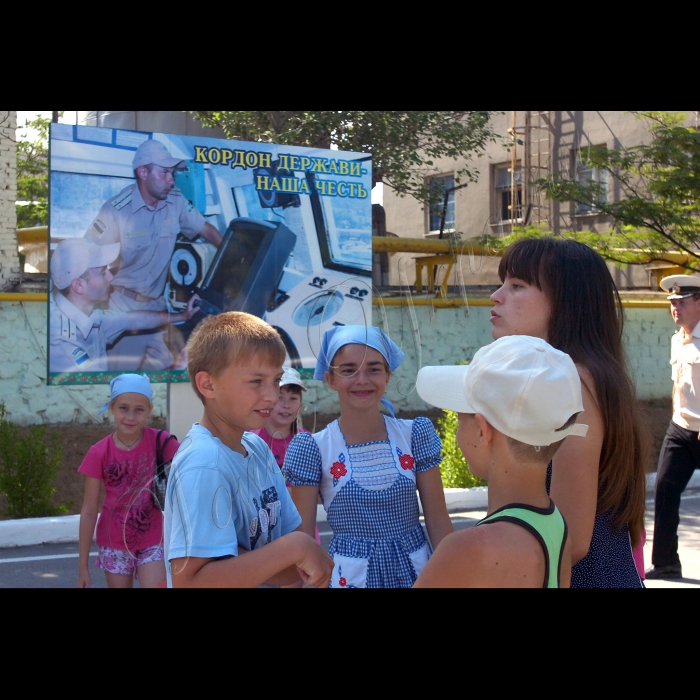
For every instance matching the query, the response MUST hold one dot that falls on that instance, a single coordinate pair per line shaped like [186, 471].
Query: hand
[192, 306]
[84, 579]
[316, 566]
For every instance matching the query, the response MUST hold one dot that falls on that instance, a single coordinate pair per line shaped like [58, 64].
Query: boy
[517, 400]
[229, 521]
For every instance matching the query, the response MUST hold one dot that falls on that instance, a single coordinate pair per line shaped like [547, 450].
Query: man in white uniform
[680, 452]
[145, 219]
[79, 330]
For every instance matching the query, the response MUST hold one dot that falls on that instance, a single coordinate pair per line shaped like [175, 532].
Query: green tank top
[546, 524]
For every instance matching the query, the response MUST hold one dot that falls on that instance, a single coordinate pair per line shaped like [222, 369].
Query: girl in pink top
[129, 533]
[283, 423]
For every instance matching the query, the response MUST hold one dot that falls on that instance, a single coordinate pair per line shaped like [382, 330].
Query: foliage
[33, 175]
[612, 246]
[659, 182]
[404, 145]
[454, 468]
[29, 463]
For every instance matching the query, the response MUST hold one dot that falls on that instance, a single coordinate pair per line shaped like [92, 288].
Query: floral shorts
[119, 561]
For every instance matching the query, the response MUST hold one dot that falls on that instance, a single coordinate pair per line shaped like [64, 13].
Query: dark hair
[586, 323]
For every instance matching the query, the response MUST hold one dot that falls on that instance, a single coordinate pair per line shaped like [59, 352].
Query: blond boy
[229, 521]
[517, 400]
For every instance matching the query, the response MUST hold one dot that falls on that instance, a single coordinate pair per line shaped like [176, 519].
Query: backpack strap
[160, 451]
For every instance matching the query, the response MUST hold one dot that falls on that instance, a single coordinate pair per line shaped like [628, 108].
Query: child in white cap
[129, 533]
[517, 401]
[284, 421]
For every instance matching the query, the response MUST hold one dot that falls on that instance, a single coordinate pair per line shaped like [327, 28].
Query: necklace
[126, 444]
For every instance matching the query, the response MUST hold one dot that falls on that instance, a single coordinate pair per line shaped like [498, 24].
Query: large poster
[151, 232]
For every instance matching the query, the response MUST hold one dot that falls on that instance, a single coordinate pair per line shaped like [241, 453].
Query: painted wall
[441, 336]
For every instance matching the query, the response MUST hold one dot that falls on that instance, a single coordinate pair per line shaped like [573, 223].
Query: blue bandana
[335, 338]
[129, 383]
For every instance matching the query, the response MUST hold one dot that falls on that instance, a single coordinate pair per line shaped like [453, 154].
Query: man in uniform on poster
[680, 451]
[145, 219]
[79, 328]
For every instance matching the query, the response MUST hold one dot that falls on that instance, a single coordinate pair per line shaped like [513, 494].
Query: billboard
[151, 232]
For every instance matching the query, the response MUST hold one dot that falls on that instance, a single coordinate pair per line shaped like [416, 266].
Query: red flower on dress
[343, 581]
[338, 469]
[406, 462]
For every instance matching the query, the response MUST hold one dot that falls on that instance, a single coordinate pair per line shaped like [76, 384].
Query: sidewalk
[36, 531]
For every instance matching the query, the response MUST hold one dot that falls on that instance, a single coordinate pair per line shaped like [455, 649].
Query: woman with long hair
[562, 291]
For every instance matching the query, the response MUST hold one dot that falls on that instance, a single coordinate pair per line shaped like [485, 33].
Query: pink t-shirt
[129, 519]
[278, 446]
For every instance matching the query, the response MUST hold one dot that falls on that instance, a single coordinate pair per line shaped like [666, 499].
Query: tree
[33, 176]
[659, 210]
[404, 145]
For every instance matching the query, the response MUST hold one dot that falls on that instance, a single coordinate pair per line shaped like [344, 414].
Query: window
[440, 186]
[593, 175]
[509, 192]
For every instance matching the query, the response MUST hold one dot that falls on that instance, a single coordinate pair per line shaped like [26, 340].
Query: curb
[28, 532]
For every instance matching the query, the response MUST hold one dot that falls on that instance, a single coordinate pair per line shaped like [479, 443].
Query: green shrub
[29, 463]
[454, 468]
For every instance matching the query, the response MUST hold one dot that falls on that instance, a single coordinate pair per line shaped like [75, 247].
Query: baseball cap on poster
[680, 286]
[155, 153]
[75, 256]
[525, 388]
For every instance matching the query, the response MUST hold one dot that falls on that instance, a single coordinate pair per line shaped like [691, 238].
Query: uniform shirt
[78, 343]
[685, 369]
[146, 234]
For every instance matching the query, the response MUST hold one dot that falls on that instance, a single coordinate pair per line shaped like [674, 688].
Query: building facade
[532, 145]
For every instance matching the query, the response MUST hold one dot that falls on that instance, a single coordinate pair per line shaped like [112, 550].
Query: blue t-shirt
[219, 501]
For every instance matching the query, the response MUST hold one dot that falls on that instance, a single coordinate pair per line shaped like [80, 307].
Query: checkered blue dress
[369, 493]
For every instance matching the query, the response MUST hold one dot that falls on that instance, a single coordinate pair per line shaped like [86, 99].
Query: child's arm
[306, 499]
[290, 577]
[88, 518]
[427, 448]
[432, 498]
[302, 469]
[251, 569]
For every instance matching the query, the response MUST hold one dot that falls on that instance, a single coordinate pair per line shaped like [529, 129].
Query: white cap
[291, 376]
[680, 286]
[524, 387]
[74, 256]
[154, 152]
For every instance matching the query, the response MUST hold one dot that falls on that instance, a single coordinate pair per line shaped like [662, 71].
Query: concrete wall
[23, 389]
[441, 336]
[169, 122]
[9, 260]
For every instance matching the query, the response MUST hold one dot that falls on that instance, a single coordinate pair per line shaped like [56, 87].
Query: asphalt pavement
[56, 565]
